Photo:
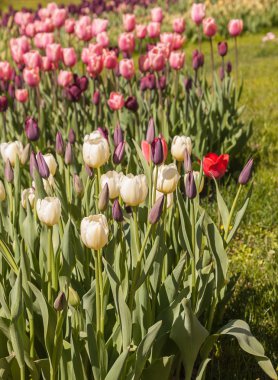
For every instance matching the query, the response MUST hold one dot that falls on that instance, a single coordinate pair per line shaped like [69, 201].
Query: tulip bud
[222, 48]
[31, 129]
[89, 171]
[117, 212]
[25, 154]
[246, 173]
[157, 151]
[150, 131]
[71, 136]
[78, 186]
[60, 302]
[3, 103]
[103, 198]
[104, 132]
[96, 98]
[68, 154]
[33, 164]
[59, 147]
[229, 67]
[187, 161]
[82, 82]
[156, 210]
[190, 186]
[74, 299]
[42, 165]
[131, 104]
[118, 135]
[9, 173]
[119, 153]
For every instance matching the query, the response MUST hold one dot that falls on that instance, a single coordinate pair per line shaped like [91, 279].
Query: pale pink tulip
[198, 13]
[176, 60]
[21, 95]
[157, 14]
[126, 68]
[65, 78]
[69, 57]
[154, 29]
[116, 101]
[31, 77]
[179, 25]
[129, 22]
[235, 27]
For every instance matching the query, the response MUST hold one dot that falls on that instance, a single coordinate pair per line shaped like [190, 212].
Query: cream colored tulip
[51, 163]
[94, 231]
[134, 189]
[113, 180]
[49, 210]
[179, 144]
[28, 194]
[95, 150]
[170, 198]
[197, 180]
[2, 192]
[11, 150]
[167, 178]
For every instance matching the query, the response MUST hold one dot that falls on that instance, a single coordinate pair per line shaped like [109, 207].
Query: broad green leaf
[16, 298]
[116, 371]
[159, 369]
[222, 207]
[8, 256]
[149, 262]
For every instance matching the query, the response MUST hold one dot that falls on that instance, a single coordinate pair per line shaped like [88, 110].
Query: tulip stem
[193, 260]
[99, 259]
[22, 373]
[154, 184]
[236, 59]
[232, 212]
[50, 260]
[212, 60]
[136, 229]
[200, 37]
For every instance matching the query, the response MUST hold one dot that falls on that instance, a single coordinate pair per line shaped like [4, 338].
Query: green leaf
[149, 262]
[144, 163]
[202, 369]
[8, 256]
[159, 369]
[116, 371]
[17, 344]
[16, 298]
[223, 209]
[68, 250]
[29, 229]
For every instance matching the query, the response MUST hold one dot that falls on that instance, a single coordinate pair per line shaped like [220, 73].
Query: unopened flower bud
[188, 84]
[104, 132]
[117, 211]
[222, 48]
[60, 302]
[190, 186]
[3, 103]
[33, 164]
[74, 299]
[157, 151]
[59, 146]
[118, 135]
[78, 186]
[89, 171]
[229, 67]
[71, 136]
[31, 129]
[119, 153]
[156, 210]
[42, 165]
[187, 161]
[96, 98]
[68, 154]
[9, 173]
[103, 198]
[131, 104]
[221, 73]
[150, 131]
[246, 173]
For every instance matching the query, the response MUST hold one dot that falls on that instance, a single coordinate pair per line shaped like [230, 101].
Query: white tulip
[11, 150]
[170, 198]
[113, 180]
[51, 163]
[95, 150]
[167, 178]
[2, 192]
[49, 210]
[28, 194]
[197, 180]
[94, 231]
[179, 144]
[134, 189]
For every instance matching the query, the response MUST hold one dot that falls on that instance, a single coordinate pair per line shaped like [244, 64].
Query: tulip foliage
[111, 265]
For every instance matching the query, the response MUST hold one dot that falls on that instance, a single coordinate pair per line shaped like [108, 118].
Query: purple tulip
[118, 135]
[31, 128]
[222, 48]
[119, 153]
[42, 165]
[9, 172]
[157, 151]
[33, 164]
[59, 146]
[117, 212]
[246, 172]
[131, 104]
[156, 211]
[150, 131]
[3, 103]
[71, 136]
[190, 186]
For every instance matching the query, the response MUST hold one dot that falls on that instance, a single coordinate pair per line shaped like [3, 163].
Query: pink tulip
[41, 40]
[126, 68]
[167, 38]
[144, 63]
[52, 7]
[47, 65]
[141, 31]
[154, 29]
[157, 59]
[69, 25]
[129, 22]
[95, 65]
[164, 49]
[96, 49]
[99, 25]
[235, 27]
[6, 71]
[21, 95]
[179, 25]
[18, 47]
[146, 150]
[126, 42]
[32, 59]
[31, 76]
[59, 17]
[110, 60]
[209, 27]
[198, 13]
[44, 13]
[54, 52]
[85, 53]
[178, 41]
[82, 30]
[65, 78]
[103, 39]
[69, 57]
[116, 101]
[30, 30]
[23, 18]
[157, 14]
[176, 60]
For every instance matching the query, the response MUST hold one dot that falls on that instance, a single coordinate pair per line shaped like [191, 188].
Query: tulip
[11, 150]
[167, 179]
[150, 131]
[157, 151]
[118, 135]
[32, 59]
[51, 163]
[103, 198]
[59, 16]
[96, 98]
[209, 27]
[118, 154]
[246, 173]
[95, 65]
[229, 68]
[199, 180]
[49, 210]
[69, 25]
[2, 192]
[73, 93]
[129, 22]
[82, 31]
[31, 77]
[110, 60]
[59, 144]
[116, 101]
[179, 144]
[95, 150]
[28, 195]
[74, 299]
[78, 186]
[54, 52]
[157, 14]
[94, 231]
[31, 129]
[188, 82]
[3, 103]
[71, 136]
[222, 48]
[113, 181]
[89, 171]
[235, 27]
[68, 154]
[42, 166]
[198, 12]
[190, 186]
[178, 41]
[126, 42]
[177, 60]
[65, 78]
[47, 65]
[141, 31]
[156, 211]
[131, 104]
[179, 25]
[104, 132]
[60, 303]
[117, 212]
[157, 60]
[21, 95]
[69, 57]
[99, 25]
[187, 161]
[134, 189]
[126, 68]
[153, 29]
[214, 165]
[8, 172]
[33, 164]
[6, 71]
[103, 39]
[25, 154]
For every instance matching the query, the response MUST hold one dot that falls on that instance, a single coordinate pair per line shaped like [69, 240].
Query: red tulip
[215, 166]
